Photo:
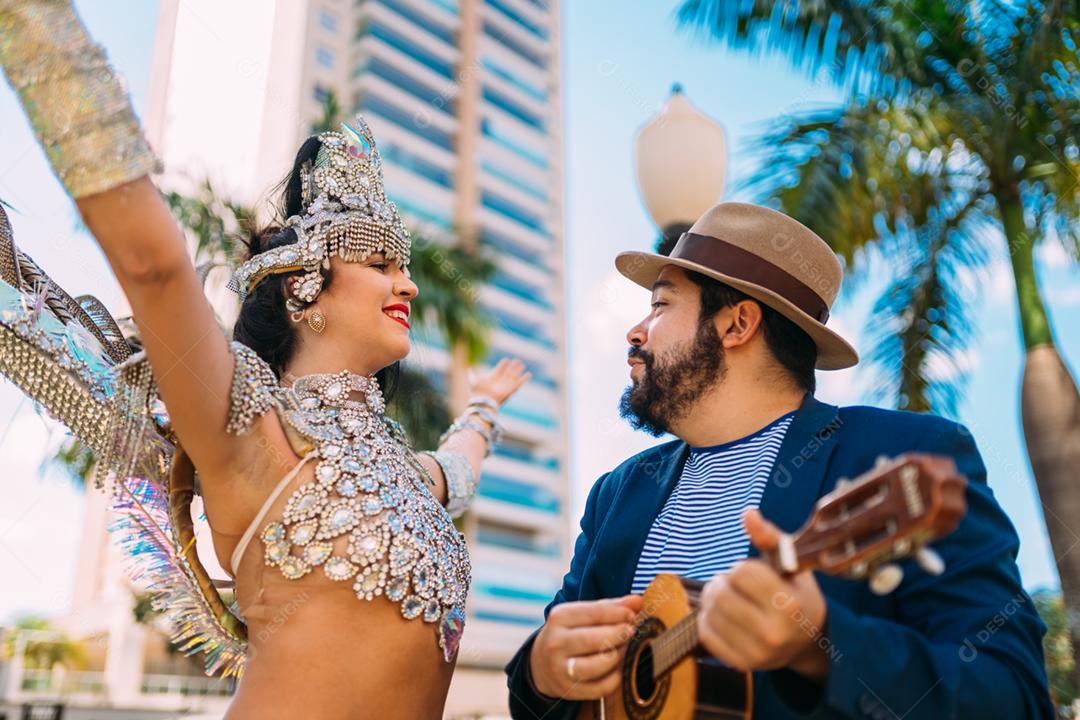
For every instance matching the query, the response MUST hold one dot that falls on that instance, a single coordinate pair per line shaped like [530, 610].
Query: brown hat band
[736, 262]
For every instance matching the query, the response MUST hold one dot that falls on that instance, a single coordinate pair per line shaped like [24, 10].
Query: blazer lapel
[799, 473]
[634, 509]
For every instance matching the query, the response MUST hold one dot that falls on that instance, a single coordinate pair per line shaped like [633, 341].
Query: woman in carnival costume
[350, 576]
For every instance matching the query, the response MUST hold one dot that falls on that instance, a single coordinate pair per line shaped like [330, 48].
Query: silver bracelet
[491, 435]
[484, 401]
[460, 480]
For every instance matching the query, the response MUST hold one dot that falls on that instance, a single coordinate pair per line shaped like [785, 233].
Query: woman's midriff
[320, 652]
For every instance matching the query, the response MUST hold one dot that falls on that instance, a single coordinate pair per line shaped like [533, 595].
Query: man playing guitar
[725, 362]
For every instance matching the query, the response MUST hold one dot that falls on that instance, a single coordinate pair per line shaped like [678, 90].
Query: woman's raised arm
[188, 352]
[84, 121]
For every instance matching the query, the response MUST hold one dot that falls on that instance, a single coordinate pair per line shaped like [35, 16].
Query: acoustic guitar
[857, 531]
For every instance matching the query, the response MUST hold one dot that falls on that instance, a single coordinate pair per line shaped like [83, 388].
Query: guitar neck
[674, 644]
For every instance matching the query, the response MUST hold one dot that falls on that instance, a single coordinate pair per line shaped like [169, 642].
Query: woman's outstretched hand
[501, 381]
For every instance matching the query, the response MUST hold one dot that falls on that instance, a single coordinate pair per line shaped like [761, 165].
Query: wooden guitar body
[696, 687]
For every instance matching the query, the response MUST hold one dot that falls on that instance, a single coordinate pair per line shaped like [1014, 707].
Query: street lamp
[680, 157]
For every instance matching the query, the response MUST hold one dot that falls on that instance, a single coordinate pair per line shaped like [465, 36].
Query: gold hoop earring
[316, 321]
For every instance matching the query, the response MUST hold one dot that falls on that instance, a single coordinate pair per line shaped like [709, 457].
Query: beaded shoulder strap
[254, 389]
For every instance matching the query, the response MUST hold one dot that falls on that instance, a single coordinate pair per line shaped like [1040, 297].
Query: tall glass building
[464, 98]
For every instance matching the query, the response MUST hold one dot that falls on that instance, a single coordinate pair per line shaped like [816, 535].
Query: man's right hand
[594, 633]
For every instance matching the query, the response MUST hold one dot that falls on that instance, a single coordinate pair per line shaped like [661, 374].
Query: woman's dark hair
[263, 323]
[787, 342]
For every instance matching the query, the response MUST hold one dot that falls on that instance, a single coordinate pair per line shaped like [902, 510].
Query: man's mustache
[640, 354]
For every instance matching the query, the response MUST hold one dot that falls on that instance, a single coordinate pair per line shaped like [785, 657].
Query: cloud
[1051, 254]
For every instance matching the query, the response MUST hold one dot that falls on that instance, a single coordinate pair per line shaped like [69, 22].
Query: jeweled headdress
[346, 213]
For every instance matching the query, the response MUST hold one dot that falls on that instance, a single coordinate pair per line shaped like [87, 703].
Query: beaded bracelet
[491, 435]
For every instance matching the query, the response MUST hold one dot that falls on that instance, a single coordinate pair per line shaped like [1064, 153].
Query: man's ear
[741, 322]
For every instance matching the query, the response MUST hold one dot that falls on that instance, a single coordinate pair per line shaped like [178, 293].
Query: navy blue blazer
[965, 644]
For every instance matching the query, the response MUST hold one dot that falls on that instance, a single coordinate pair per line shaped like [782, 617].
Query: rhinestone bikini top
[368, 487]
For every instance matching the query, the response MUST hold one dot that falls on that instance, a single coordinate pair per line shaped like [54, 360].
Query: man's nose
[637, 335]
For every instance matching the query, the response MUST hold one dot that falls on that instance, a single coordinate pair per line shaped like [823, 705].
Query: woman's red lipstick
[404, 309]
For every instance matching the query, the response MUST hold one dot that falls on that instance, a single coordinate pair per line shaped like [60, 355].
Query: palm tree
[449, 278]
[958, 138]
[1060, 665]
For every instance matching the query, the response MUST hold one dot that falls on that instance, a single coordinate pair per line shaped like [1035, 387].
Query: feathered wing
[70, 356]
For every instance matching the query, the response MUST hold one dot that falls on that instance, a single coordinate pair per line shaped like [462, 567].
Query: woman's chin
[399, 349]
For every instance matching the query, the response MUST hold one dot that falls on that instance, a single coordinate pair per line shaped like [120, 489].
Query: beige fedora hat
[767, 255]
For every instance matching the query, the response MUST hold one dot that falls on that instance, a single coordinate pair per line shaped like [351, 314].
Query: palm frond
[922, 324]
[858, 175]
[866, 45]
[331, 114]
[214, 221]
[450, 277]
[420, 406]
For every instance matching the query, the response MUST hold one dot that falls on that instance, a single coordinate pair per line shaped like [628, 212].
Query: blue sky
[620, 60]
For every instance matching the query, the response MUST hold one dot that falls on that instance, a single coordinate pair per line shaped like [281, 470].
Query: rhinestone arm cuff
[460, 480]
[253, 387]
[77, 106]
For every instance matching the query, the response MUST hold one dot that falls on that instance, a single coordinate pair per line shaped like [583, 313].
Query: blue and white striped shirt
[699, 531]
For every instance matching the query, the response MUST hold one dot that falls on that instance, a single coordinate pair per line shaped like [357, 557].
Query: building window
[421, 21]
[406, 120]
[512, 108]
[404, 81]
[508, 42]
[519, 19]
[397, 155]
[325, 58]
[486, 127]
[410, 48]
[328, 21]
[513, 211]
[528, 88]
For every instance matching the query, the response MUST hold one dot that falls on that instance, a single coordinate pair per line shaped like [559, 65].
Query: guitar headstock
[890, 512]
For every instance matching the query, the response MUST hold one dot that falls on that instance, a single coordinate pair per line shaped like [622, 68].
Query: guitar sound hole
[643, 696]
[644, 683]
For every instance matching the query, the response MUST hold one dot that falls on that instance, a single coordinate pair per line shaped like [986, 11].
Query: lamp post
[680, 158]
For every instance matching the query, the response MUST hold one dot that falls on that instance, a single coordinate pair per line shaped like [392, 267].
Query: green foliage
[420, 406]
[1060, 664]
[215, 222]
[450, 278]
[75, 459]
[331, 114]
[953, 112]
[43, 652]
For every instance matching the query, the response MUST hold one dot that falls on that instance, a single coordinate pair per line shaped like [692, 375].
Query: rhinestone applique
[368, 489]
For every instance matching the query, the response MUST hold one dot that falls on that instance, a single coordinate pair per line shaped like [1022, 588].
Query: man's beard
[668, 390]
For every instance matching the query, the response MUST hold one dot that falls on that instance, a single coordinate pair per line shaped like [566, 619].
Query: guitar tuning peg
[886, 579]
[842, 483]
[930, 561]
[882, 461]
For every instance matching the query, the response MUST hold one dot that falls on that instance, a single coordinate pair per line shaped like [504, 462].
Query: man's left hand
[752, 618]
